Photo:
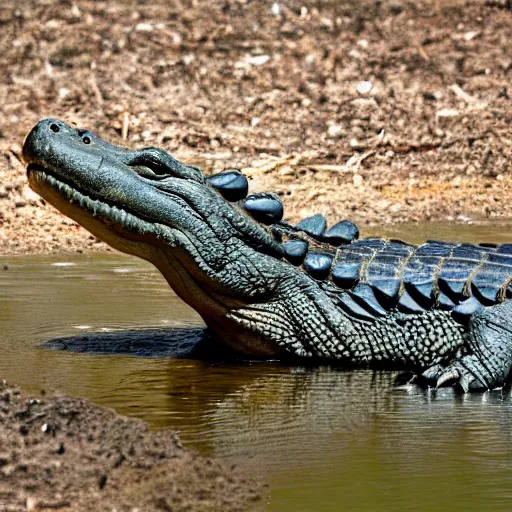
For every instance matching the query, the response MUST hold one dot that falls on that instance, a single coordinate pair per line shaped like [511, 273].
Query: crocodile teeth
[96, 207]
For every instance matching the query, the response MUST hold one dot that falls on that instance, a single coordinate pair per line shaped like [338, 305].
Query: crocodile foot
[487, 361]
[468, 373]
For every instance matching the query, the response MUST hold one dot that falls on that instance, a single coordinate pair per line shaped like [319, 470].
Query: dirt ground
[377, 111]
[65, 454]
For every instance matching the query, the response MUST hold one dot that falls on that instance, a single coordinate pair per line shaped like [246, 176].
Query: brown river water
[324, 439]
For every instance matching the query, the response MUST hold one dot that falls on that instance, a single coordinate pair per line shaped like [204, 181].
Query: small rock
[335, 130]
[288, 29]
[31, 504]
[357, 145]
[430, 96]
[358, 180]
[354, 54]
[257, 60]
[326, 23]
[144, 27]
[188, 59]
[468, 36]
[447, 112]
[456, 182]
[364, 87]
[19, 202]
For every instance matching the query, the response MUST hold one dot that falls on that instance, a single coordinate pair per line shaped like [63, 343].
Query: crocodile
[439, 310]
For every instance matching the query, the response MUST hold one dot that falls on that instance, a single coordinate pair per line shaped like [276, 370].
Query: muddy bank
[66, 454]
[380, 112]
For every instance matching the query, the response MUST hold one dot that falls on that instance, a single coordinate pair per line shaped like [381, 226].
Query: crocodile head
[215, 256]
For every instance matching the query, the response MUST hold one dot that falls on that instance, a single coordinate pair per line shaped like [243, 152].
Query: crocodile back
[373, 276]
[431, 272]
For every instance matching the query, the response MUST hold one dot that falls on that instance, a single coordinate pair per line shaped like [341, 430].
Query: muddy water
[323, 439]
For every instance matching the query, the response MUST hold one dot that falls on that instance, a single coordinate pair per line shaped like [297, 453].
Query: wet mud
[59, 453]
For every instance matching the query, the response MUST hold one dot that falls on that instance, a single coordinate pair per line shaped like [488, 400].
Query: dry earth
[379, 111]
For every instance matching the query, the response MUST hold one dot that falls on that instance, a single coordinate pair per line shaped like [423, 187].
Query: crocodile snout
[40, 138]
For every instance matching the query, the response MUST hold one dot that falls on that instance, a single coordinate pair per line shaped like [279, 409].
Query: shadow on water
[176, 343]
[325, 439]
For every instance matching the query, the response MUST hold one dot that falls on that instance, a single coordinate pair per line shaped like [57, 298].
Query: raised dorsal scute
[314, 226]
[346, 274]
[266, 208]
[352, 308]
[342, 233]
[422, 291]
[408, 305]
[463, 311]
[231, 183]
[387, 291]
[364, 295]
[295, 251]
[318, 264]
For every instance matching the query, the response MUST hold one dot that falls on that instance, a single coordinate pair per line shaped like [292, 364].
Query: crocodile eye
[54, 128]
[86, 140]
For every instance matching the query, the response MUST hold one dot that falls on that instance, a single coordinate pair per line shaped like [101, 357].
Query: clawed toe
[431, 374]
[448, 377]
[453, 375]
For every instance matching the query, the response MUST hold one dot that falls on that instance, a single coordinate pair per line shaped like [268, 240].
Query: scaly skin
[232, 269]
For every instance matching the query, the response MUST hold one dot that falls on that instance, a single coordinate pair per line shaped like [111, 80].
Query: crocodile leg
[487, 360]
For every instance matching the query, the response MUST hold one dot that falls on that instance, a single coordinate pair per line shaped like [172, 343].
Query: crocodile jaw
[115, 226]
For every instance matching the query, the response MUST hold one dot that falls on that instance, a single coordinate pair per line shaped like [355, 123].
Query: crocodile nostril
[54, 128]
[86, 140]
